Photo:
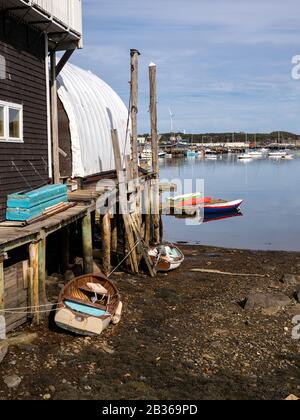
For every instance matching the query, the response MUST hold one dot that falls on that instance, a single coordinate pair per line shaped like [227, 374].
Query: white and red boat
[222, 206]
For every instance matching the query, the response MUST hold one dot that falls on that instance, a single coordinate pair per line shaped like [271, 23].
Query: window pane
[14, 124]
[1, 121]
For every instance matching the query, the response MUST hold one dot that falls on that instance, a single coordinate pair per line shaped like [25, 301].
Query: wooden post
[54, 120]
[65, 249]
[2, 287]
[42, 271]
[147, 203]
[114, 234]
[87, 244]
[34, 284]
[106, 243]
[123, 200]
[134, 109]
[154, 142]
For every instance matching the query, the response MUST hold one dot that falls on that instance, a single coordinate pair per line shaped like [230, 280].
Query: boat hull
[87, 305]
[87, 326]
[220, 208]
[167, 263]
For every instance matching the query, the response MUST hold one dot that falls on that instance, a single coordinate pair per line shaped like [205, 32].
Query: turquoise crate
[23, 214]
[36, 197]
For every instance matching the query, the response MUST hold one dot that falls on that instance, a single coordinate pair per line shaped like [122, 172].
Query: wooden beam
[87, 244]
[144, 249]
[34, 284]
[134, 109]
[42, 271]
[65, 249]
[54, 120]
[114, 234]
[106, 243]
[148, 218]
[2, 287]
[154, 143]
[63, 61]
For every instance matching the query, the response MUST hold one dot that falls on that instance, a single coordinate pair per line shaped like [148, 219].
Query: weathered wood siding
[65, 162]
[23, 166]
[16, 294]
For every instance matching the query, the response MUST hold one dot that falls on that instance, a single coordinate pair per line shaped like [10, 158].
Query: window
[11, 122]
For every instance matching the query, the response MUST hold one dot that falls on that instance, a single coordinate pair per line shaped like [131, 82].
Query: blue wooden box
[22, 207]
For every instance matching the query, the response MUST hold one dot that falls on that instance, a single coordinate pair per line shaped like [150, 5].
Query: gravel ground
[184, 335]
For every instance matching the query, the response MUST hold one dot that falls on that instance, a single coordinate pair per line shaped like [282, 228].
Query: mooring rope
[36, 308]
[127, 256]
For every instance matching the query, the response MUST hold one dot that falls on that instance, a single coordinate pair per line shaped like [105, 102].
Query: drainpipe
[48, 107]
[54, 120]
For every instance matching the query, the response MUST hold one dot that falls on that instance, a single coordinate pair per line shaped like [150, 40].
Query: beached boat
[166, 257]
[88, 304]
[161, 155]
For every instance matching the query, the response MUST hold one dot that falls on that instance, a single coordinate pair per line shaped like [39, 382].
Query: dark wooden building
[23, 110]
[28, 127]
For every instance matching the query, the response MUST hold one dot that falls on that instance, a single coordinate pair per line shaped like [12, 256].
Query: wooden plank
[144, 249]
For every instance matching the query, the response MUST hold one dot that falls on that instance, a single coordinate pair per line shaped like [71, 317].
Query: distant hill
[264, 138]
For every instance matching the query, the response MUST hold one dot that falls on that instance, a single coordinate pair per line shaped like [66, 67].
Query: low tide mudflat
[184, 335]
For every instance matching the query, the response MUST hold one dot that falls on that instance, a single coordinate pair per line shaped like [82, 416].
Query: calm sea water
[271, 210]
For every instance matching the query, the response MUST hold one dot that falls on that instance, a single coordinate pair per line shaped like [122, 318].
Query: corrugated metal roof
[93, 109]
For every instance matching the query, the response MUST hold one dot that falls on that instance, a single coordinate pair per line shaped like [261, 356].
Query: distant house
[30, 32]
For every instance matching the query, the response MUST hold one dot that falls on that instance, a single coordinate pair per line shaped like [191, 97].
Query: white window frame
[17, 107]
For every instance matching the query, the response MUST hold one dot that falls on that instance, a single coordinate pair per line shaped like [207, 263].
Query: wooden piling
[54, 120]
[148, 218]
[106, 242]
[42, 271]
[65, 249]
[114, 234]
[87, 244]
[134, 109]
[2, 305]
[34, 283]
[154, 144]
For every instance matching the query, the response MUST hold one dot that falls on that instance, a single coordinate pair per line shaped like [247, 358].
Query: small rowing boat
[166, 258]
[185, 197]
[88, 304]
[222, 206]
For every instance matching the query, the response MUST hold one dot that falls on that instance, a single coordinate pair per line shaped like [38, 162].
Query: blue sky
[223, 65]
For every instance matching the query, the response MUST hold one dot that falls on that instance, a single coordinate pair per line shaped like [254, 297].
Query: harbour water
[271, 208]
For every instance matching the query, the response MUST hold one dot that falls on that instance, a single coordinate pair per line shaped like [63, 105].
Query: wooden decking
[13, 237]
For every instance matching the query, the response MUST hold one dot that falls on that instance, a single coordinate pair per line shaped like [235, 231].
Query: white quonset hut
[88, 110]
